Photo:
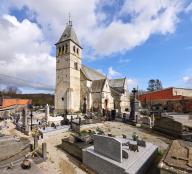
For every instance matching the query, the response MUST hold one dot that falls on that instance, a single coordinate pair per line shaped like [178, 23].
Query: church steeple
[69, 34]
[68, 66]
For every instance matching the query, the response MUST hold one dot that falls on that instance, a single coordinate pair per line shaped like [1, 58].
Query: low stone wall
[168, 125]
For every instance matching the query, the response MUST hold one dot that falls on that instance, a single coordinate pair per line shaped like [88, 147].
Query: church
[80, 88]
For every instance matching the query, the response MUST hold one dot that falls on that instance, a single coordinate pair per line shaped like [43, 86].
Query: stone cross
[134, 91]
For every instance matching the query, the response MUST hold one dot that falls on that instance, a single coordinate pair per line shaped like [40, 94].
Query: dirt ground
[59, 162]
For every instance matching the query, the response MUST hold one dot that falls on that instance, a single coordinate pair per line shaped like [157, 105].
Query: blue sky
[137, 39]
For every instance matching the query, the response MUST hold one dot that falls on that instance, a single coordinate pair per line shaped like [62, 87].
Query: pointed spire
[69, 33]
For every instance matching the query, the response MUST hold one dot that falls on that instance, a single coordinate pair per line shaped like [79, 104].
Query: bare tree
[11, 90]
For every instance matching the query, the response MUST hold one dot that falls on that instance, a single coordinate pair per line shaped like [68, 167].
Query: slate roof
[117, 82]
[97, 85]
[69, 33]
[117, 85]
[91, 74]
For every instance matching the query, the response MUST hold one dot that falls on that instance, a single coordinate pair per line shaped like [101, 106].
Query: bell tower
[68, 65]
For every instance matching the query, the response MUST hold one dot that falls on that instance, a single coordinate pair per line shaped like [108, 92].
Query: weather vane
[70, 21]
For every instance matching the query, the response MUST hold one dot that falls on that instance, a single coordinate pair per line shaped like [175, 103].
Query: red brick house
[170, 99]
[11, 102]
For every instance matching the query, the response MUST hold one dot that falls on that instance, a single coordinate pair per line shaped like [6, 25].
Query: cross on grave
[188, 159]
[134, 106]
[134, 91]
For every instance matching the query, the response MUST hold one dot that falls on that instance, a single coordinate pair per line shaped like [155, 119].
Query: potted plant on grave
[135, 136]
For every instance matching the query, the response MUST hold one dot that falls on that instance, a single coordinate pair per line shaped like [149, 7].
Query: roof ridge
[93, 70]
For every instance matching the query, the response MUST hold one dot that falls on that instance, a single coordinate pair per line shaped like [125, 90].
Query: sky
[136, 39]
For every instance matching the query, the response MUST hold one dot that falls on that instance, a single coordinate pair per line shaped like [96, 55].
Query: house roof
[91, 74]
[117, 82]
[69, 34]
[97, 85]
[117, 85]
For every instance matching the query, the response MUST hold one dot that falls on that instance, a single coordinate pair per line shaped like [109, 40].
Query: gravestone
[24, 120]
[146, 121]
[35, 143]
[44, 151]
[108, 146]
[134, 106]
[47, 113]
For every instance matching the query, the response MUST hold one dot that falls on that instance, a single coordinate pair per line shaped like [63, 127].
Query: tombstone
[108, 146]
[79, 120]
[146, 121]
[152, 119]
[24, 120]
[134, 106]
[44, 151]
[47, 115]
[35, 143]
[31, 147]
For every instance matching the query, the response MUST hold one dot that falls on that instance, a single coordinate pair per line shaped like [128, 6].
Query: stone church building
[80, 88]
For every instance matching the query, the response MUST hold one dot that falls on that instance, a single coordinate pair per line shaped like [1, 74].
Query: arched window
[63, 49]
[74, 48]
[75, 65]
[78, 51]
[66, 48]
[59, 51]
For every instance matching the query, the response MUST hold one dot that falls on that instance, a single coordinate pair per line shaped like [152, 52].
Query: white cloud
[187, 80]
[25, 54]
[112, 73]
[132, 83]
[25, 46]
[188, 8]
[147, 17]
[124, 60]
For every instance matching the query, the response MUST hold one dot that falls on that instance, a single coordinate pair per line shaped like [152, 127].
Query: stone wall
[168, 125]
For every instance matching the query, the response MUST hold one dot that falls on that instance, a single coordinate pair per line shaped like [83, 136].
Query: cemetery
[96, 125]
